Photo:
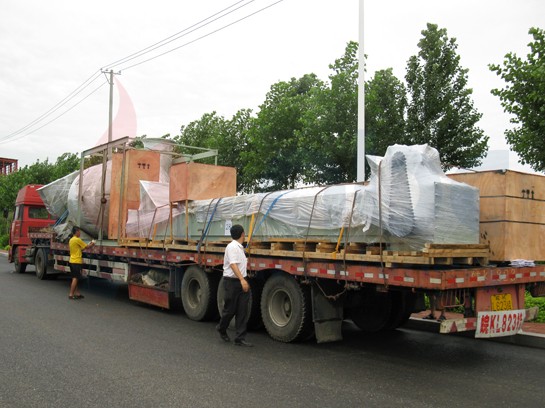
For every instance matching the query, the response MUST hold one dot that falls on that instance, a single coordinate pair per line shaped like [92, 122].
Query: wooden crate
[197, 181]
[512, 213]
[139, 165]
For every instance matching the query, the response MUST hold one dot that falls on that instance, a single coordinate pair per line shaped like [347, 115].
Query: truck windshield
[38, 213]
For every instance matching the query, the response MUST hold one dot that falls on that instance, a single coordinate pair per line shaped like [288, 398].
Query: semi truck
[30, 215]
[301, 288]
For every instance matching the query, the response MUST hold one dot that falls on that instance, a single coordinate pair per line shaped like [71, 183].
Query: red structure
[7, 166]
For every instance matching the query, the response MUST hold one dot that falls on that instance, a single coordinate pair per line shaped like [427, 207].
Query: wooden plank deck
[431, 254]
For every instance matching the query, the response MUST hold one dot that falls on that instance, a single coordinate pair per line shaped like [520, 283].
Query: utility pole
[106, 155]
[360, 171]
[111, 106]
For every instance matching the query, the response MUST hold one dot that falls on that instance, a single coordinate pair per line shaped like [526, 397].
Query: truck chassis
[298, 294]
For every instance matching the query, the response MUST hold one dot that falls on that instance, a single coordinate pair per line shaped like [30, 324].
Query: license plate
[501, 302]
[497, 324]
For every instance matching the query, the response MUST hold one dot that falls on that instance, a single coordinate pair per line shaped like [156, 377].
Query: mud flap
[327, 316]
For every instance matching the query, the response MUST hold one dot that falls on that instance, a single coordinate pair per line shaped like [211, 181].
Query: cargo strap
[207, 228]
[269, 210]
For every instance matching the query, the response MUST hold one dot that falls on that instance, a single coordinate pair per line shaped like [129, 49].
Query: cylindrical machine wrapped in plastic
[94, 212]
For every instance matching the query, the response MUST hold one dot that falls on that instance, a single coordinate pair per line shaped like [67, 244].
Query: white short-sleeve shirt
[234, 254]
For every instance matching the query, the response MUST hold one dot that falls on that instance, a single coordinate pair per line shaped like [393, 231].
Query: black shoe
[243, 343]
[223, 335]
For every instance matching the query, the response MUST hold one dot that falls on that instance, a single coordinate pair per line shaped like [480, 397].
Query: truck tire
[40, 263]
[402, 308]
[286, 309]
[199, 291]
[20, 267]
[254, 307]
[374, 313]
[255, 321]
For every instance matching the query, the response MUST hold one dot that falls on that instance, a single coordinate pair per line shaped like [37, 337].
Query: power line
[13, 138]
[177, 35]
[57, 106]
[203, 36]
[28, 129]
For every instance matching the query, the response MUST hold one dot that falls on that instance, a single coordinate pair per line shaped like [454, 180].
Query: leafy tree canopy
[275, 158]
[524, 98]
[385, 110]
[37, 173]
[441, 111]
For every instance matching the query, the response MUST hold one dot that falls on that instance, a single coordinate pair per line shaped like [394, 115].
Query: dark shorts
[75, 270]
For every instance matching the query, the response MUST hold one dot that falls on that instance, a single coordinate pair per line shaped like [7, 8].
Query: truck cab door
[15, 231]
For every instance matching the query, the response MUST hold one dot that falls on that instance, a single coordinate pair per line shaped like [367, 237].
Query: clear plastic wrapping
[408, 202]
[152, 219]
[94, 214]
[55, 194]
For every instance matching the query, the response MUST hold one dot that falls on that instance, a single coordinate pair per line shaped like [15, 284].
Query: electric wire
[203, 36]
[28, 129]
[176, 36]
[56, 117]
[55, 107]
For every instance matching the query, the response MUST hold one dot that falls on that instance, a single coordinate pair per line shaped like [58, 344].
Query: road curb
[524, 339]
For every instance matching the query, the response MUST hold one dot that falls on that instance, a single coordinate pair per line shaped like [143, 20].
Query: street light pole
[361, 101]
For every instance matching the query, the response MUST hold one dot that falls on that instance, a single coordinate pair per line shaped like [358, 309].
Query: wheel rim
[280, 308]
[195, 293]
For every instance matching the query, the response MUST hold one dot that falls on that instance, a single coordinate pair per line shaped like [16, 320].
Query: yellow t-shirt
[76, 245]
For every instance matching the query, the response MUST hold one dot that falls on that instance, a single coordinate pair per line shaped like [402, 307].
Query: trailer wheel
[402, 308]
[374, 313]
[256, 286]
[254, 307]
[40, 263]
[286, 309]
[199, 291]
[20, 267]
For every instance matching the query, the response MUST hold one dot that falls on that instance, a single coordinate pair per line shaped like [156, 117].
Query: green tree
[441, 111]
[66, 163]
[275, 158]
[234, 143]
[524, 98]
[229, 137]
[329, 124]
[37, 173]
[385, 110]
[41, 172]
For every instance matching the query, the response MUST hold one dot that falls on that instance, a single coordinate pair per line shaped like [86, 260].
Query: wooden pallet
[431, 254]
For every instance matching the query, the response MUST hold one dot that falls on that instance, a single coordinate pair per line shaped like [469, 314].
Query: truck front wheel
[199, 291]
[286, 309]
[20, 267]
[40, 263]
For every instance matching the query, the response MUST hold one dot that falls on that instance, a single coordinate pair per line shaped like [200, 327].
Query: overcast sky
[49, 48]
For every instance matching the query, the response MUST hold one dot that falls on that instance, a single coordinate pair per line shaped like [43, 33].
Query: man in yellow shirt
[76, 245]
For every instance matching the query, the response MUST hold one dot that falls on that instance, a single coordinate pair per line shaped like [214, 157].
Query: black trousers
[236, 305]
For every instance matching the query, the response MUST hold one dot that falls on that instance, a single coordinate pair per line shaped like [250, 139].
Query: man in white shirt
[236, 287]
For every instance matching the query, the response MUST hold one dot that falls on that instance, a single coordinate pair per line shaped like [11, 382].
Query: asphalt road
[106, 351]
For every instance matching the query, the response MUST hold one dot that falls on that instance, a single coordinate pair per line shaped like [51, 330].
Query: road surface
[106, 351]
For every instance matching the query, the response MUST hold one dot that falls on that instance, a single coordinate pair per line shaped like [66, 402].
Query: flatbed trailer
[299, 292]
[300, 288]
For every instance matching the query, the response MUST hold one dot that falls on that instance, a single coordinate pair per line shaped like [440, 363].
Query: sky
[48, 49]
